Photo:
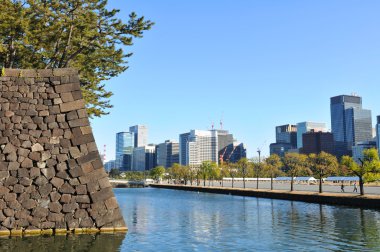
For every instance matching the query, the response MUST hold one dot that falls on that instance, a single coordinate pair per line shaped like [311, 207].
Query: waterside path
[347, 199]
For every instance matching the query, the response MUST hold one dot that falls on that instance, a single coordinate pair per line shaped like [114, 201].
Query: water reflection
[167, 220]
[77, 243]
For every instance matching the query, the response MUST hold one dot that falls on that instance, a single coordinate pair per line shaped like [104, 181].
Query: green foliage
[272, 166]
[114, 172]
[157, 172]
[206, 169]
[296, 164]
[80, 34]
[244, 167]
[323, 164]
[369, 167]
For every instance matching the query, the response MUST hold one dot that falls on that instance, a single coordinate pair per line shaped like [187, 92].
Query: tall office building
[378, 134]
[140, 134]
[287, 134]
[167, 153]
[286, 139]
[124, 150]
[238, 152]
[183, 141]
[198, 146]
[305, 127]
[350, 123]
[144, 158]
[316, 142]
[225, 145]
[358, 126]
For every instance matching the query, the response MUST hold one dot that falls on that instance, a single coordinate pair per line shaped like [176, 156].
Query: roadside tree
[322, 164]
[272, 167]
[296, 165]
[157, 172]
[367, 170]
[243, 167]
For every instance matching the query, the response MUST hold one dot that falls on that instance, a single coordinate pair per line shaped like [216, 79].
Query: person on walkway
[342, 187]
[355, 187]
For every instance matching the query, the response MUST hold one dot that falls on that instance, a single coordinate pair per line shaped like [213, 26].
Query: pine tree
[80, 34]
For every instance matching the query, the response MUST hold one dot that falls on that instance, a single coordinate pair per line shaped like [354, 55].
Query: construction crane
[221, 160]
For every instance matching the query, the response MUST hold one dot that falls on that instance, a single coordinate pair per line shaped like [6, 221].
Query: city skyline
[249, 85]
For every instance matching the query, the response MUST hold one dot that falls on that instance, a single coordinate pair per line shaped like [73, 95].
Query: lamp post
[257, 173]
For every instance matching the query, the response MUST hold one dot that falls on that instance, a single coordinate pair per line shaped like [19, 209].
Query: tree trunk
[244, 181]
[320, 184]
[204, 181]
[361, 184]
[291, 184]
[271, 182]
[257, 178]
[232, 182]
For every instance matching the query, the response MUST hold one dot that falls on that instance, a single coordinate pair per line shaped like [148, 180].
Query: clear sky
[255, 64]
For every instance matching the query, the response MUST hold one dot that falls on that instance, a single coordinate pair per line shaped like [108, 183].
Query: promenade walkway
[348, 199]
[285, 186]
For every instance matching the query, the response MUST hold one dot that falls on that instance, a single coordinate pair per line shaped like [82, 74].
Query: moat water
[169, 220]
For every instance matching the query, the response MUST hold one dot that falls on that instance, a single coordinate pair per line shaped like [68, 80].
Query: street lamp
[257, 173]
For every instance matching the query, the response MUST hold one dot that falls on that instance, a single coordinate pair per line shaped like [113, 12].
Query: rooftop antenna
[221, 122]
[212, 126]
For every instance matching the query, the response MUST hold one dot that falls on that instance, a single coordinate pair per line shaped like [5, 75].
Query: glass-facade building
[144, 158]
[305, 127]
[124, 150]
[287, 134]
[167, 153]
[378, 134]
[350, 123]
[183, 140]
[140, 135]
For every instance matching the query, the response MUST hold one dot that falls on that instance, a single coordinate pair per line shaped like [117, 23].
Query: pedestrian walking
[355, 187]
[342, 187]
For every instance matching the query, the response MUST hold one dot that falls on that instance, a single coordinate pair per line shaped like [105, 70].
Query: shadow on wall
[93, 243]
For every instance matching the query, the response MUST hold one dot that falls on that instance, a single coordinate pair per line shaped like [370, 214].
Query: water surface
[170, 220]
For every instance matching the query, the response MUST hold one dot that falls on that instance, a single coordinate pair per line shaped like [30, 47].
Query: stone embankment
[366, 201]
[52, 179]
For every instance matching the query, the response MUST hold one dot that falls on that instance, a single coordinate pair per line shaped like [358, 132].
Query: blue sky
[256, 64]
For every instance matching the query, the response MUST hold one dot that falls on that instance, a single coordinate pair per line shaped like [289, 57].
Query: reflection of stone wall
[51, 175]
[92, 243]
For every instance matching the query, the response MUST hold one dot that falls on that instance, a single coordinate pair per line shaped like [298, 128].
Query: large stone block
[51, 174]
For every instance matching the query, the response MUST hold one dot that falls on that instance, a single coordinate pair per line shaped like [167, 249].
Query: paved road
[298, 187]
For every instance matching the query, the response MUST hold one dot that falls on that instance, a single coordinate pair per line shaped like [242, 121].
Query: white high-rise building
[305, 127]
[200, 146]
[141, 135]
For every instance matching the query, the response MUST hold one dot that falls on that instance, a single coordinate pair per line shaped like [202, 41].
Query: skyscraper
[167, 153]
[198, 146]
[225, 144]
[183, 140]
[350, 123]
[287, 134]
[286, 139]
[378, 134]
[144, 158]
[305, 127]
[140, 134]
[316, 142]
[124, 150]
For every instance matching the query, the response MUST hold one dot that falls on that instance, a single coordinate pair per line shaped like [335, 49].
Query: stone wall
[51, 174]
